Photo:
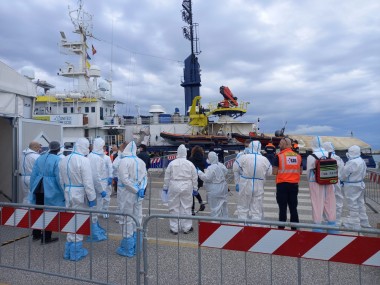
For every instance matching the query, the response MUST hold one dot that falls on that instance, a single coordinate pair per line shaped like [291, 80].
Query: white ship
[88, 108]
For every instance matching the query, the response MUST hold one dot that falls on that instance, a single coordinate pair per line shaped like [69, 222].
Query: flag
[88, 65]
[88, 57]
[93, 50]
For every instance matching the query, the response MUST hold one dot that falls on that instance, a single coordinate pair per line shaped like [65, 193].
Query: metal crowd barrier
[372, 185]
[183, 260]
[102, 265]
[179, 259]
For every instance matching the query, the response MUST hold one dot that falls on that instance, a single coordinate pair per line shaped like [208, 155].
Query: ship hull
[264, 140]
[177, 139]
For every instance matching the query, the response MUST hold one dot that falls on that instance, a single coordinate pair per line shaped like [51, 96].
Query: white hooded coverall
[76, 178]
[106, 177]
[180, 180]
[98, 169]
[322, 196]
[339, 195]
[216, 186]
[352, 177]
[28, 160]
[132, 177]
[252, 168]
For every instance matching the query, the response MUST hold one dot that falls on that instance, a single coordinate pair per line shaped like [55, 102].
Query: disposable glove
[195, 192]
[92, 203]
[116, 179]
[140, 193]
[104, 194]
[109, 181]
[237, 187]
[164, 195]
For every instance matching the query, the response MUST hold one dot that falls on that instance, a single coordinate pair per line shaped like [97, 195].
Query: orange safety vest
[289, 164]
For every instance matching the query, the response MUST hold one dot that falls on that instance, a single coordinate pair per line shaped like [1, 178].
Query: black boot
[36, 235]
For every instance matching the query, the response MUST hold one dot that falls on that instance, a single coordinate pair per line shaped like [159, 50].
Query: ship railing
[149, 120]
[372, 185]
[113, 121]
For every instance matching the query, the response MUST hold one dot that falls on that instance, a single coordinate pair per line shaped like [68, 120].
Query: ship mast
[82, 22]
[191, 72]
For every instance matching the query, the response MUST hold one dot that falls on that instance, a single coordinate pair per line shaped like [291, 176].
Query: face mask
[247, 150]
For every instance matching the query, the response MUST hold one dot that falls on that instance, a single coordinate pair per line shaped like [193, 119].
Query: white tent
[17, 94]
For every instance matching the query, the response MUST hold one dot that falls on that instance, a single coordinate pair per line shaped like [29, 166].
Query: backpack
[326, 170]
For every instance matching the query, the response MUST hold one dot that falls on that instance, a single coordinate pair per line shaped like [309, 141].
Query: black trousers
[38, 233]
[199, 198]
[287, 196]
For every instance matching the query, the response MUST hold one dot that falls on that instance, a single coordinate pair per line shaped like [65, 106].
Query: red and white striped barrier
[374, 177]
[64, 222]
[155, 160]
[322, 246]
[229, 163]
[172, 157]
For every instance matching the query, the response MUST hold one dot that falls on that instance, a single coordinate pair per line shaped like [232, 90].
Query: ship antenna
[192, 78]
[111, 71]
[81, 20]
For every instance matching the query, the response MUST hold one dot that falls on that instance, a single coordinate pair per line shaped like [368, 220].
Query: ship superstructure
[87, 109]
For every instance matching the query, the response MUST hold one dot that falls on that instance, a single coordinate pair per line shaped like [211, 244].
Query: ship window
[86, 109]
[92, 109]
[101, 113]
[65, 110]
[71, 109]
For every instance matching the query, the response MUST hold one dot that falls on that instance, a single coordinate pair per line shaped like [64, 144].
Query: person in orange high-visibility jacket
[287, 166]
[270, 150]
[295, 146]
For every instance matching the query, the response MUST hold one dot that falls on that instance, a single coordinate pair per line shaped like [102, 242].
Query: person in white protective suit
[61, 152]
[30, 156]
[339, 195]
[130, 191]
[76, 179]
[322, 197]
[115, 174]
[180, 183]
[252, 169]
[352, 176]
[236, 163]
[100, 178]
[216, 186]
[109, 178]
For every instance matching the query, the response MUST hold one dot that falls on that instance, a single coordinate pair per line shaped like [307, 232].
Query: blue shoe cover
[318, 230]
[66, 254]
[97, 233]
[127, 247]
[77, 252]
[122, 249]
[333, 232]
[101, 229]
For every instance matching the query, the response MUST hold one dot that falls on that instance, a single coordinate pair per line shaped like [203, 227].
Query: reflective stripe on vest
[289, 164]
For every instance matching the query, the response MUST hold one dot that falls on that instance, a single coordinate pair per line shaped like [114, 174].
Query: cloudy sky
[314, 64]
